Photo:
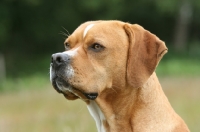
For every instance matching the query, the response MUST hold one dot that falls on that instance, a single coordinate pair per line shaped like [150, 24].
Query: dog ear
[145, 52]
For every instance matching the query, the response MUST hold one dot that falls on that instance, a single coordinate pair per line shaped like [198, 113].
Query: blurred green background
[30, 33]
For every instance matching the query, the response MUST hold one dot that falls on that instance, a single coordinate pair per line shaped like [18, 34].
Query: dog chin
[71, 93]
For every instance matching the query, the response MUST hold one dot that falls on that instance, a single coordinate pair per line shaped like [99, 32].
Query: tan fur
[130, 95]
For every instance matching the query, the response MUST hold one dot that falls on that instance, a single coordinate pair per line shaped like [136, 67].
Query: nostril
[59, 59]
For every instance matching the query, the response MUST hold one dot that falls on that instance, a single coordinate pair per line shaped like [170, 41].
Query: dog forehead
[87, 29]
[80, 32]
[98, 25]
[97, 28]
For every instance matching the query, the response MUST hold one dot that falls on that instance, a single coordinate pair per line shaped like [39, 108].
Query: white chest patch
[87, 29]
[97, 114]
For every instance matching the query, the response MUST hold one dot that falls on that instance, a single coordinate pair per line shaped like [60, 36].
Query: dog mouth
[70, 92]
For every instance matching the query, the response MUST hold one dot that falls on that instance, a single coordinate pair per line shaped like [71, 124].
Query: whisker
[63, 33]
[114, 89]
[80, 110]
[66, 31]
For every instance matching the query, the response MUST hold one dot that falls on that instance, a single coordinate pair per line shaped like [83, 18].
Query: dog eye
[67, 46]
[97, 47]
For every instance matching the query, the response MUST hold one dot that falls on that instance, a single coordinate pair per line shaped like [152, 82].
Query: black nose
[59, 59]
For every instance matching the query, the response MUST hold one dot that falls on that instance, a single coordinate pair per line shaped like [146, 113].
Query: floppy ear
[145, 52]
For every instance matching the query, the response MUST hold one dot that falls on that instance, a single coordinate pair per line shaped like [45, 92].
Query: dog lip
[59, 81]
[56, 80]
[91, 96]
[55, 86]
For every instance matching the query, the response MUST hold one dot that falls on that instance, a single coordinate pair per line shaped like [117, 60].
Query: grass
[36, 81]
[43, 109]
[183, 94]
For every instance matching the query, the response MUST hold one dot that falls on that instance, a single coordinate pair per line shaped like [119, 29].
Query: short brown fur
[130, 95]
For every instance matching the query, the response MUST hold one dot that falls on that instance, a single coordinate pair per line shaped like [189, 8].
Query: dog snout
[58, 59]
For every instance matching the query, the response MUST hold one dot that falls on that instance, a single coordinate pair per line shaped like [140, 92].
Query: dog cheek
[109, 84]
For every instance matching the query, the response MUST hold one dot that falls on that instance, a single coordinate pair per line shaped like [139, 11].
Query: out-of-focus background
[30, 31]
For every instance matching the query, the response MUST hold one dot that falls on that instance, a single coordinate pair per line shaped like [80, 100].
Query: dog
[110, 65]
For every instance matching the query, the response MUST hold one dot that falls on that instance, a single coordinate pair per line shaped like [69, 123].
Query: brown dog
[110, 65]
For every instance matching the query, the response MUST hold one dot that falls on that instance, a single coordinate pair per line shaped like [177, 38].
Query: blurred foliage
[29, 29]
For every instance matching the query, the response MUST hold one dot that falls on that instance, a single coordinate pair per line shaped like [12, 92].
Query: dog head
[102, 55]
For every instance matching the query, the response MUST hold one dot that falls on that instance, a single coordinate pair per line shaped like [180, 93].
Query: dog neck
[97, 114]
[122, 110]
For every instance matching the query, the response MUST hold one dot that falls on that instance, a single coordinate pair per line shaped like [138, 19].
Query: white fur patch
[51, 73]
[69, 71]
[97, 114]
[71, 52]
[87, 29]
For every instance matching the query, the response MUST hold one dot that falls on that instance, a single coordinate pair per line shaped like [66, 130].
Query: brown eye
[67, 46]
[97, 47]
